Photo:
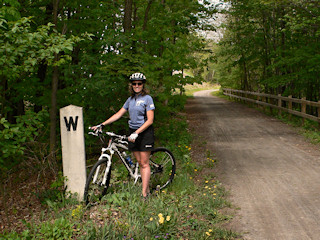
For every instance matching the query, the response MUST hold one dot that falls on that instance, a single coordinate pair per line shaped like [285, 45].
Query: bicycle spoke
[162, 166]
[97, 182]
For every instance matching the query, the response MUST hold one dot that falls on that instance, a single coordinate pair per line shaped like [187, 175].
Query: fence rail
[277, 102]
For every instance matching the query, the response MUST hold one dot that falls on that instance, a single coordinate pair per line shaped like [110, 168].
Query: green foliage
[59, 229]
[22, 50]
[14, 137]
[56, 192]
[161, 37]
[177, 212]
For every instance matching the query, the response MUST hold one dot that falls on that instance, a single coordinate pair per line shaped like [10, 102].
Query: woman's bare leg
[143, 160]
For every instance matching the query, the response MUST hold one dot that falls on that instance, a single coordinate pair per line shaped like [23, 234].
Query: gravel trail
[272, 173]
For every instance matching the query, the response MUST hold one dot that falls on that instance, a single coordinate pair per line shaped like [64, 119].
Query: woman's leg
[143, 160]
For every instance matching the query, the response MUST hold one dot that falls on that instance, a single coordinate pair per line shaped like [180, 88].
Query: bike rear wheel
[163, 168]
[97, 182]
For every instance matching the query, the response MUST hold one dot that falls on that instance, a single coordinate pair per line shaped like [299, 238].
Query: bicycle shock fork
[105, 174]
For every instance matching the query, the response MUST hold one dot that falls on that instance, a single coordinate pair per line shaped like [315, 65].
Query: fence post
[319, 114]
[264, 100]
[258, 100]
[271, 102]
[279, 104]
[290, 105]
[303, 108]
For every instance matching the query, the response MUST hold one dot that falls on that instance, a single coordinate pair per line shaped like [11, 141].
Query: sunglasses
[135, 84]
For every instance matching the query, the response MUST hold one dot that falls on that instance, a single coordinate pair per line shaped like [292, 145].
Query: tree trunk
[54, 89]
[127, 23]
[41, 74]
[3, 87]
[146, 13]
[53, 110]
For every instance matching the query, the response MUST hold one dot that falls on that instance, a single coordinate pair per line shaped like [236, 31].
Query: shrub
[13, 137]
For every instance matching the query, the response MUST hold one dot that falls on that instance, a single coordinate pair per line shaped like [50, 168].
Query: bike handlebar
[99, 131]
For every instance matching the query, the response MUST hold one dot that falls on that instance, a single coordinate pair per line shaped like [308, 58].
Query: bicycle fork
[135, 174]
[105, 174]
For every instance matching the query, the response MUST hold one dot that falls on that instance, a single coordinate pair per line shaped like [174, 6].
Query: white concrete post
[73, 149]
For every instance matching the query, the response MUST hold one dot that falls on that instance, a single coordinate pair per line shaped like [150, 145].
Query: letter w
[71, 122]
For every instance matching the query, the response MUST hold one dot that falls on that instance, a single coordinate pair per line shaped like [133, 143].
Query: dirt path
[272, 173]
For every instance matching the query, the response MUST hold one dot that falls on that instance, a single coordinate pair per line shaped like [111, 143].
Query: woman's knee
[144, 164]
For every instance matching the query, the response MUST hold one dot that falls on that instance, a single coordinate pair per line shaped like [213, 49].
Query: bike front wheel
[163, 168]
[97, 182]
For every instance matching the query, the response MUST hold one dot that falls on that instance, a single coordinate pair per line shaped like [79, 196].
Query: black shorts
[144, 141]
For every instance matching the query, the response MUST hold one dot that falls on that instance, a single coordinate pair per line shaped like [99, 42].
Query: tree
[152, 36]
[272, 46]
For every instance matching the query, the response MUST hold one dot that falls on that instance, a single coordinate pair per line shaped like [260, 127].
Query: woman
[141, 140]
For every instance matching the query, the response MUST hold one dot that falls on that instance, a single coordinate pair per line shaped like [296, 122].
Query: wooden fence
[279, 102]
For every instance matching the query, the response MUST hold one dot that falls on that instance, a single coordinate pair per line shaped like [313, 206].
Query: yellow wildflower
[168, 218]
[161, 220]
[208, 233]
[151, 219]
[210, 230]
[207, 181]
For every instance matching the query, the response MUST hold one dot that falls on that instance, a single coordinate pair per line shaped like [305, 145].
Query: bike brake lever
[92, 133]
[122, 141]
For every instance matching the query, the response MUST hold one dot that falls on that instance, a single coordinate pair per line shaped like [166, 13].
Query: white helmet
[138, 77]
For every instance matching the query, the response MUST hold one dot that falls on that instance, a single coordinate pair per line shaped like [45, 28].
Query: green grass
[191, 89]
[309, 129]
[219, 94]
[190, 208]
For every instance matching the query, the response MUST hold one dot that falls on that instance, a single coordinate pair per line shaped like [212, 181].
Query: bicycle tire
[163, 168]
[94, 191]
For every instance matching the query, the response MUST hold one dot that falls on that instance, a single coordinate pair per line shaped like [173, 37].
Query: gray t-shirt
[138, 107]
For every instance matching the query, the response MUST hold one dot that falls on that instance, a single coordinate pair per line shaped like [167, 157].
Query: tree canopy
[271, 46]
[56, 53]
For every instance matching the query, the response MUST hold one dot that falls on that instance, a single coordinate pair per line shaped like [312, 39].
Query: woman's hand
[94, 128]
[133, 137]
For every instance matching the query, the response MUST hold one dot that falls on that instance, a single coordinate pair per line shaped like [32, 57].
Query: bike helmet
[138, 77]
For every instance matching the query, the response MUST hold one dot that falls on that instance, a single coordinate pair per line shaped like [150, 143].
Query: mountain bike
[162, 164]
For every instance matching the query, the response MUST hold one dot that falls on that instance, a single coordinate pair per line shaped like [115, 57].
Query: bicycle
[162, 164]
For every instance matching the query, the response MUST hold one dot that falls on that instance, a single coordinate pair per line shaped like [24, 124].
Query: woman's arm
[115, 117]
[112, 119]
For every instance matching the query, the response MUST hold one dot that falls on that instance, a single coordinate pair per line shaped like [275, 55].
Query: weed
[186, 209]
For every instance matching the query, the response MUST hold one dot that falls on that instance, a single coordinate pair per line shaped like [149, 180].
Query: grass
[190, 208]
[191, 89]
[309, 129]
[219, 94]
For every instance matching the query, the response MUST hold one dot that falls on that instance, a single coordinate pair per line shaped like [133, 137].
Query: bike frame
[108, 152]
